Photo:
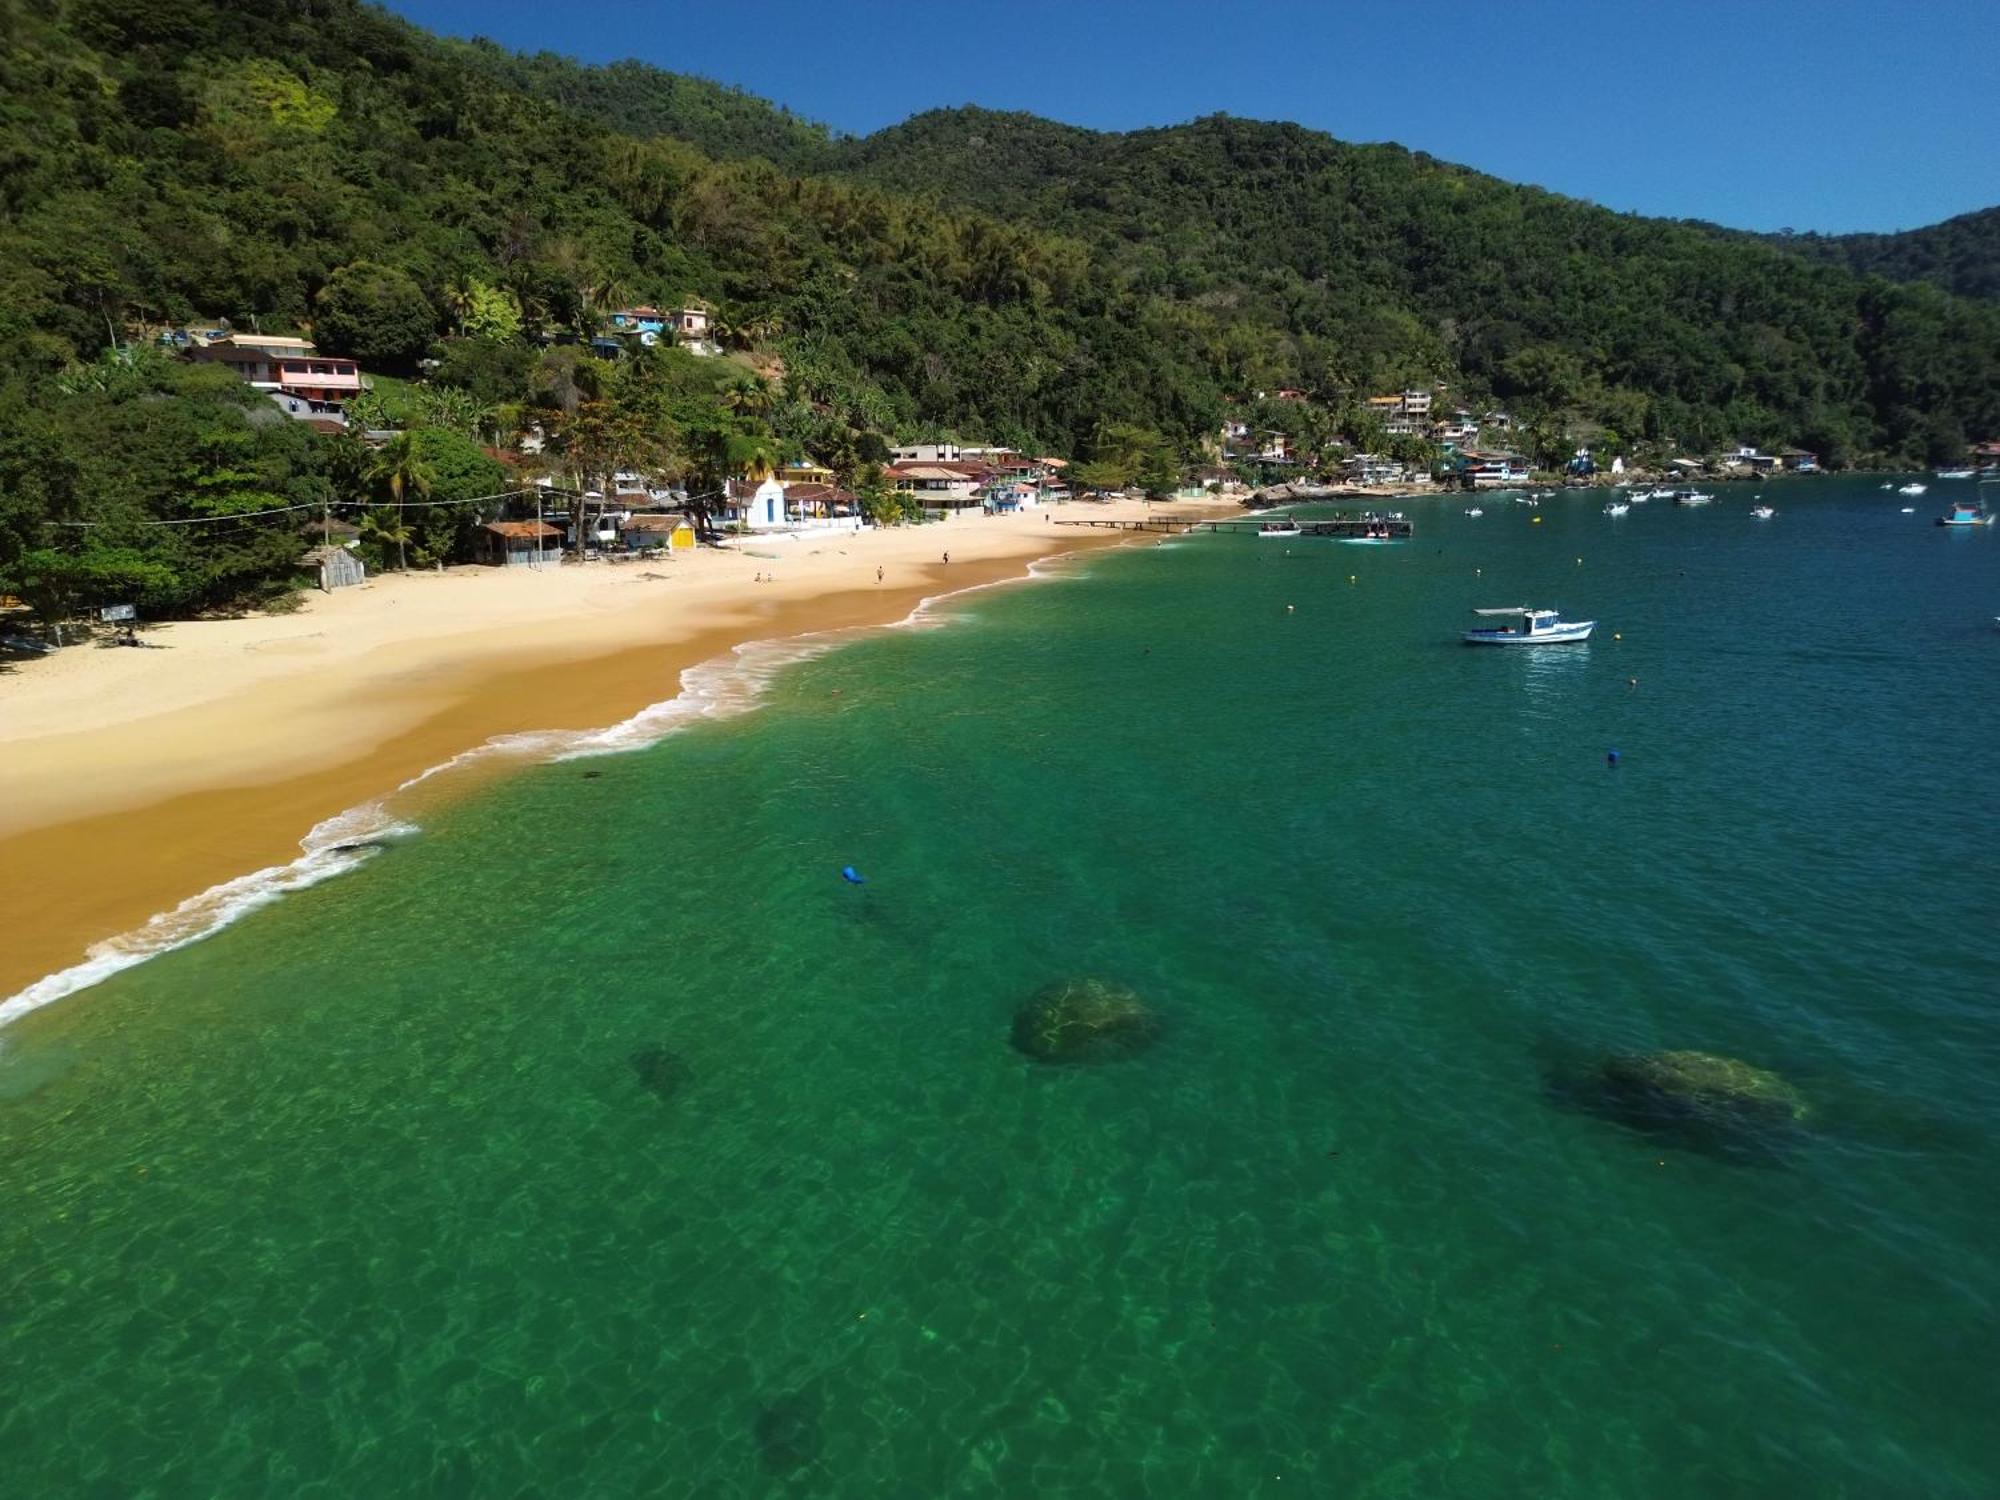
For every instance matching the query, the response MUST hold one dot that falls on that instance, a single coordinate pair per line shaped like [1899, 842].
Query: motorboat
[1272, 529]
[1618, 508]
[1692, 497]
[1763, 512]
[1912, 489]
[1909, 510]
[1531, 627]
[1374, 536]
[1966, 513]
[1956, 473]
[1475, 510]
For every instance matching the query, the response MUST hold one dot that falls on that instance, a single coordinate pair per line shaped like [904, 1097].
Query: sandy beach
[137, 778]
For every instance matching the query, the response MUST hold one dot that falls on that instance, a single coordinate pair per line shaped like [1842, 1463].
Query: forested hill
[1961, 255]
[638, 99]
[994, 274]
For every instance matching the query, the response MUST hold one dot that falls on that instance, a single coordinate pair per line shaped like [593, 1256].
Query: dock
[1335, 526]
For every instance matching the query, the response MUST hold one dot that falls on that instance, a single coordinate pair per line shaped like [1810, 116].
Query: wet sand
[106, 825]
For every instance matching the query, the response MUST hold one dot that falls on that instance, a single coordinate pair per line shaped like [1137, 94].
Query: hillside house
[284, 367]
[926, 453]
[1492, 471]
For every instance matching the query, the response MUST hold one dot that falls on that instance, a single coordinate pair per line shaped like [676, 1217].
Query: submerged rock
[1084, 1020]
[661, 1071]
[1719, 1103]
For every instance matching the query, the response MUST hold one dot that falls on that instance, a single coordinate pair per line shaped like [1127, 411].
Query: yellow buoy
[1538, 520]
[1616, 636]
[1289, 608]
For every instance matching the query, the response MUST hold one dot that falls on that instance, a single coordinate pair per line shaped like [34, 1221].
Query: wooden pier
[1335, 526]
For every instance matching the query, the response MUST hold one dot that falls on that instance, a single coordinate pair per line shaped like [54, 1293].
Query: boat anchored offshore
[1763, 512]
[1912, 489]
[1531, 627]
[1691, 497]
[1618, 508]
[1278, 528]
[1966, 513]
[1956, 473]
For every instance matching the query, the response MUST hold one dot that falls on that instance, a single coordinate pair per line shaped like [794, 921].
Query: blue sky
[1815, 114]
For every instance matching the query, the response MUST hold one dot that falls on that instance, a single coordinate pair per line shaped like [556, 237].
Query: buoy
[852, 876]
[1352, 576]
[1579, 562]
[1611, 757]
[1616, 636]
[1290, 607]
[1538, 520]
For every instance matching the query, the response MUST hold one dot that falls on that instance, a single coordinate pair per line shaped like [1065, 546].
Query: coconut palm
[753, 396]
[402, 471]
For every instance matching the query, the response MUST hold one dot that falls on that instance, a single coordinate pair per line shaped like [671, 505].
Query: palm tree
[753, 396]
[461, 296]
[402, 471]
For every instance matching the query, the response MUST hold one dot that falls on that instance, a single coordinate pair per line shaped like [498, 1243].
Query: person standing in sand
[947, 558]
[878, 573]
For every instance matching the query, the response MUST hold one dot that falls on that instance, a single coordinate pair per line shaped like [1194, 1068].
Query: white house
[926, 453]
[759, 506]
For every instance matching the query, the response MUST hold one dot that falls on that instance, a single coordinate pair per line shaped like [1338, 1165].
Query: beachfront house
[669, 532]
[1371, 469]
[816, 500]
[755, 504]
[1010, 495]
[1799, 461]
[942, 487]
[515, 544]
[1491, 471]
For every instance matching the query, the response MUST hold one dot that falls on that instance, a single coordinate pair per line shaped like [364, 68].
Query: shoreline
[194, 790]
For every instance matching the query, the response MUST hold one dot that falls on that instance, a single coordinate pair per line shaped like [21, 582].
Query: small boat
[1692, 497]
[1909, 510]
[1272, 529]
[1912, 489]
[1956, 473]
[1618, 508]
[1374, 536]
[1532, 627]
[1475, 511]
[1762, 512]
[1966, 513]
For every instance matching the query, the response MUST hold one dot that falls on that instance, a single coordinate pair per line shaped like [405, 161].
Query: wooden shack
[336, 566]
[514, 544]
[670, 532]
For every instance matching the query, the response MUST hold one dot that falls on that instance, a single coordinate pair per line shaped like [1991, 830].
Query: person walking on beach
[947, 558]
[878, 574]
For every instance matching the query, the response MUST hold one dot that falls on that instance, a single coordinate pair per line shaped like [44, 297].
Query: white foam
[333, 847]
[719, 688]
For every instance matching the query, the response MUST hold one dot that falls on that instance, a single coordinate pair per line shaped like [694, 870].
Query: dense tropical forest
[461, 219]
[1961, 255]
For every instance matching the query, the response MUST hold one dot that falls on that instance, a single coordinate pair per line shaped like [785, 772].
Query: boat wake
[721, 687]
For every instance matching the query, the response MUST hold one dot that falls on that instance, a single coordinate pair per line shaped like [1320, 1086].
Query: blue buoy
[852, 876]
[1611, 757]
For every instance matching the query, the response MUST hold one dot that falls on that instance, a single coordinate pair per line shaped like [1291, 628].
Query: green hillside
[1961, 255]
[325, 167]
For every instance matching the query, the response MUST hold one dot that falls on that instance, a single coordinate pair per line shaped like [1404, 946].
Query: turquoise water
[601, 1141]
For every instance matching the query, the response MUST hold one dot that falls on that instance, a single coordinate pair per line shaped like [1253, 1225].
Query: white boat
[1909, 510]
[1531, 627]
[1692, 497]
[1475, 511]
[1762, 512]
[1956, 473]
[1617, 508]
[1912, 489]
[1272, 529]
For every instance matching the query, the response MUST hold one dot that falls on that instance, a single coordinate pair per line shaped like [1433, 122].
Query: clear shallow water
[601, 1141]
